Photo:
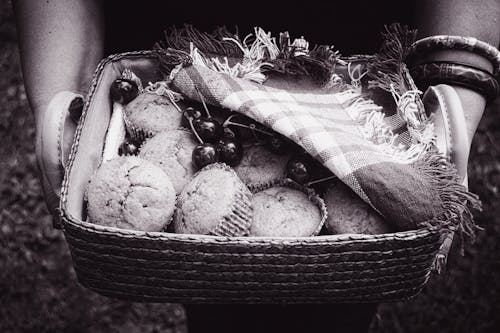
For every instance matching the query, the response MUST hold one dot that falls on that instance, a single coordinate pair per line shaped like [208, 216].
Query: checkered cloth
[327, 126]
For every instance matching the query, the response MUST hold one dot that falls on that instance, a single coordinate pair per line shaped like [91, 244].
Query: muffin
[285, 211]
[349, 214]
[130, 193]
[149, 114]
[260, 167]
[214, 202]
[171, 150]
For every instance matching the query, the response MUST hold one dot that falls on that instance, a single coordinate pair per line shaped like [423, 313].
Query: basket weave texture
[164, 267]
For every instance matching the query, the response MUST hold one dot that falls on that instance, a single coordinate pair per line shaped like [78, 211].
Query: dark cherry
[75, 109]
[278, 144]
[230, 151]
[209, 129]
[193, 113]
[299, 169]
[123, 91]
[189, 113]
[232, 133]
[128, 148]
[205, 154]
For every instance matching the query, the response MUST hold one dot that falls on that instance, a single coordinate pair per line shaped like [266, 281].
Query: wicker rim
[324, 239]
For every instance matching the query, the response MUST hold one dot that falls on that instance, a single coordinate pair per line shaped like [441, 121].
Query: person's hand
[54, 136]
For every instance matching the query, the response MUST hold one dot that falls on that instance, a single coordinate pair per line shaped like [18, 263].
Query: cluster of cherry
[223, 141]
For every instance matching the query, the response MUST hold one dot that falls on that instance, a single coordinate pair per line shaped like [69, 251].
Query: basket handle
[53, 143]
[444, 107]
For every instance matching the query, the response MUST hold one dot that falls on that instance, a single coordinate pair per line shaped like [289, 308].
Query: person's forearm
[472, 18]
[61, 43]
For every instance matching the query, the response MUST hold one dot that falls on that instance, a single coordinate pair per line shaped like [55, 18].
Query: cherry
[192, 112]
[306, 170]
[299, 169]
[123, 91]
[230, 151]
[208, 129]
[232, 133]
[205, 154]
[128, 148]
[75, 109]
[189, 113]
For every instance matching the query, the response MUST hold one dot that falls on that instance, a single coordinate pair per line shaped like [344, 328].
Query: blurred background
[39, 291]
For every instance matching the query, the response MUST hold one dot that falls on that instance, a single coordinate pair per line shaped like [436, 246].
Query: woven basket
[163, 267]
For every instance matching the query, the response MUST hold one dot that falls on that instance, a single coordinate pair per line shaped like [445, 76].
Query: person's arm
[472, 18]
[61, 42]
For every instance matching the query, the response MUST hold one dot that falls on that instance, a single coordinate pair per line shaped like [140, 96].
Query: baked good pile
[173, 165]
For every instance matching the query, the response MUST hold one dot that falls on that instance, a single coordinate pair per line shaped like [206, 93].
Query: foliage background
[39, 291]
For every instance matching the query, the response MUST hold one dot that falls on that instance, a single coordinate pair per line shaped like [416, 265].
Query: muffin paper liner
[239, 218]
[311, 194]
[168, 226]
[254, 188]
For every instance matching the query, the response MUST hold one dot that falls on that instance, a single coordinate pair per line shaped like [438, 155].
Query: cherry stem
[190, 120]
[176, 106]
[250, 127]
[204, 104]
[320, 180]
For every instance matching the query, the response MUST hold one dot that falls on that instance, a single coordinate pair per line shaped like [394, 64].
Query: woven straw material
[163, 267]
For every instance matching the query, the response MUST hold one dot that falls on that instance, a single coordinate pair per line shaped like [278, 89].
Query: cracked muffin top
[149, 114]
[171, 150]
[260, 166]
[215, 202]
[130, 193]
[284, 212]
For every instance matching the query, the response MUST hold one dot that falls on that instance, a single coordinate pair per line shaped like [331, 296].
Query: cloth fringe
[169, 59]
[188, 45]
[372, 124]
[256, 57]
[176, 47]
[257, 53]
[319, 63]
[214, 43]
[387, 70]
[458, 202]
[129, 75]
[161, 88]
